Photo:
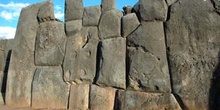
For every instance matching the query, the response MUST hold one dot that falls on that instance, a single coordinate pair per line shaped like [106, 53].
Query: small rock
[133, 100]
[91, 16]
[150, 10]
[101, 98]
[46, 11]
[129, 24]
[110, 24]
[73, 10]
[72, 27]
[79, 97]
[108, 5]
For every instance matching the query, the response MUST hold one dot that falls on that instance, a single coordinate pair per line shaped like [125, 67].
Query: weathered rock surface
[48, 88]
[101, 98]
[170, 2]
[112, 71]
[131, 100]
[80, 58]
[72, 27]
[46, 12]
[79, 97]
[110, 24]
[149, 10]
[22, 66]
[147, 59]
[108, 5]
[91, 16]
[50, 44]
[129, 24]
[193, 43]
[73, 10]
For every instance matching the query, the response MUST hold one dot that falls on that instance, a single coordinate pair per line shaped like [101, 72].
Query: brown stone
[79, 97]
[101, 98]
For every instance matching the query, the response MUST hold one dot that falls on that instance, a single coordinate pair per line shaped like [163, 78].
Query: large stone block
[110, 24]
[129, 24]
[48, 89]
[50, 44]
[46, 12]
[148, 68]
[145, 73]
[131, 100]
[22, 66]
[193, 49]
[101, 98]
[112, 70]
[79, 97]
[80, 58]
[72, 27]
[73, 10]
[108, 5]
[150, 10]
[91, 16]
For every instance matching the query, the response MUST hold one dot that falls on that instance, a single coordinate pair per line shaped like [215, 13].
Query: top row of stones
[146, 10]
[74, 8]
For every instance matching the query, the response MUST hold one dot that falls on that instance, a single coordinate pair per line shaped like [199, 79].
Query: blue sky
[10, 10]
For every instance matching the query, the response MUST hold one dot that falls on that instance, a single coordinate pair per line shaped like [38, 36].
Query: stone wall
[157, 55]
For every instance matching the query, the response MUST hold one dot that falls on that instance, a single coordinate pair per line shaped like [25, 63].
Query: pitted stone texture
[108, 5]
[72, 27]
[112, 70]
[91, 16]
[131, 100]
[48, 89]
[73, 10]
[50, 44]
[129, 24]
[101, 98]
[110, 24]
[79, 97]
[147, 58]
[46, 12]
[193, 49]
[170, 2]
[22, 66]
[150, 10]
[80, 57]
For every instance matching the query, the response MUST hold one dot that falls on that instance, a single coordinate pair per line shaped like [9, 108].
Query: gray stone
[108, 5]
[216, 4]
[129, 24]
[147, 58]
[46, 12]
[79, 97]
[193, 50]
[22, 66]
[110, 24]
[101, 98]
[50, 44]
[150, 10]
[170, 2]
[72, 27]
[80, 58]
[91, 16]
[145, 73]
[73, 10]
[48, 88]
[131, 100]
[112, 71]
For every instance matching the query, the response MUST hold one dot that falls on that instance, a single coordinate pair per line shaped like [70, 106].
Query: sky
[10, 11]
